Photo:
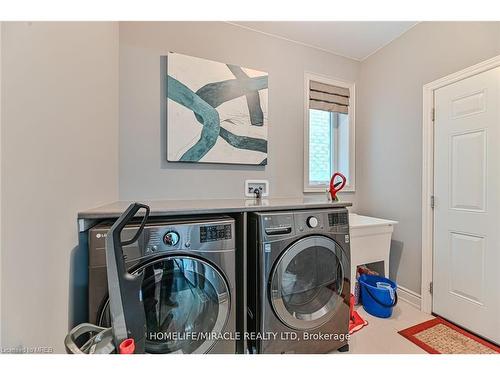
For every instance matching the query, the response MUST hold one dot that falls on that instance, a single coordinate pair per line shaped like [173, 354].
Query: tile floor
[381, 336]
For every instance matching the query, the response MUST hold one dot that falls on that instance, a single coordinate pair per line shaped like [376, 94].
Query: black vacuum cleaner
[127, 333]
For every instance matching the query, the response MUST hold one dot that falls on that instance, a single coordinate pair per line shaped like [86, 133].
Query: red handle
[127, 346]
[334, 190]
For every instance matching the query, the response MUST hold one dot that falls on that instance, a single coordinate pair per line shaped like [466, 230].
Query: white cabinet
[370, 242]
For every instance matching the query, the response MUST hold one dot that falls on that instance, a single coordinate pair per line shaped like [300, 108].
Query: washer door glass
[307, 282]
[187, 304]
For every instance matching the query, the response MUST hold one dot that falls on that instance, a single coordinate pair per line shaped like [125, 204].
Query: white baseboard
[410, 297]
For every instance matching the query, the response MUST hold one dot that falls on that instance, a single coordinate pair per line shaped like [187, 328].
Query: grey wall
[59, 155]
[389, 125]
[144, 173]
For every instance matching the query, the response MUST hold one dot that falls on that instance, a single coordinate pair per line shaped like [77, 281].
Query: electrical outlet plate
[251, 185]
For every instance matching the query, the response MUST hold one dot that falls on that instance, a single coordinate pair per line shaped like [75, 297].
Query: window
[329, 132]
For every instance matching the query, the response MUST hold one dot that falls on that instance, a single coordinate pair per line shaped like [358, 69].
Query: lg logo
[100, 235]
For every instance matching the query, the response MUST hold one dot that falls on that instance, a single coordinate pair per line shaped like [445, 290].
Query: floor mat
[438, 336]
[356, 322]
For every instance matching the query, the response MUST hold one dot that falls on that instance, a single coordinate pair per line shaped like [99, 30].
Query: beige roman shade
[328, 97]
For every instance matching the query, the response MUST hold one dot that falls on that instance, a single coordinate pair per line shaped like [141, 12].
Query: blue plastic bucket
[378, 300]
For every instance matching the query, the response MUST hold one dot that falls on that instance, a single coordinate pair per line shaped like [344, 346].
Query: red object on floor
[409, 333]
[127, 346]
[356, 322]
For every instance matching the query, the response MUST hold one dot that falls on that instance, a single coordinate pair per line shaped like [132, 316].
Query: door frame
[428, 170]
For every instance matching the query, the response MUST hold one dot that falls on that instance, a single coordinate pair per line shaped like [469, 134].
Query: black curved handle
[381, 303]
[129, 215]
[126, 306]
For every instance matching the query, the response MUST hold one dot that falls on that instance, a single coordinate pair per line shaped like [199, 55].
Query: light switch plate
[251, 185]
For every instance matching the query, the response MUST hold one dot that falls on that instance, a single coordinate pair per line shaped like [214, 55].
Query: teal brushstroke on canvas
[206, 114]
[243, 142]
[253, 99]
[217, 93]
[205, 99]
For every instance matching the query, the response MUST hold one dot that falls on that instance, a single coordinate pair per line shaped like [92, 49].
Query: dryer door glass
[187, 304]
[307, 282]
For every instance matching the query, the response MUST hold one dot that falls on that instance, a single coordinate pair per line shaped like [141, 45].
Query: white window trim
[352, 111]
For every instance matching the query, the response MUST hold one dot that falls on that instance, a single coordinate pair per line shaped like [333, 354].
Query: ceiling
[356, 40]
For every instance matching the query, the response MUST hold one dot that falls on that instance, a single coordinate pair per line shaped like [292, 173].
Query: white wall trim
[409, 296]
[428, 169]
[351, 186]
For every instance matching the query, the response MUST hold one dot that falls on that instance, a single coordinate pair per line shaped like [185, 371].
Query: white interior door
[466, 270]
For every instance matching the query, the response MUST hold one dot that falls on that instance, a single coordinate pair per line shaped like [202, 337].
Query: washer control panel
[204, 234]
[332, 220]
[209, 233]
[278, 224]
[338, 219]
[312, 221]
[309, 221]
[171, 238]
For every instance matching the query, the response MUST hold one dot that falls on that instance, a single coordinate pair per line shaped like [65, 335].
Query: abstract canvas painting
[216, 113]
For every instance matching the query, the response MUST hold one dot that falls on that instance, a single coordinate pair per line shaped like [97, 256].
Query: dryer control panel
[338, 219]
[333, 221]
[276, 225]
[185, 235]
[209, 233]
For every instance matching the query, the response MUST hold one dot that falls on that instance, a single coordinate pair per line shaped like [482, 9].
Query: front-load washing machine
[298, 281]
[188, 288]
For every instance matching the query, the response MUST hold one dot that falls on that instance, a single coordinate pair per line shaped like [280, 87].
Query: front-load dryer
[298, 281]
[189, 283]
